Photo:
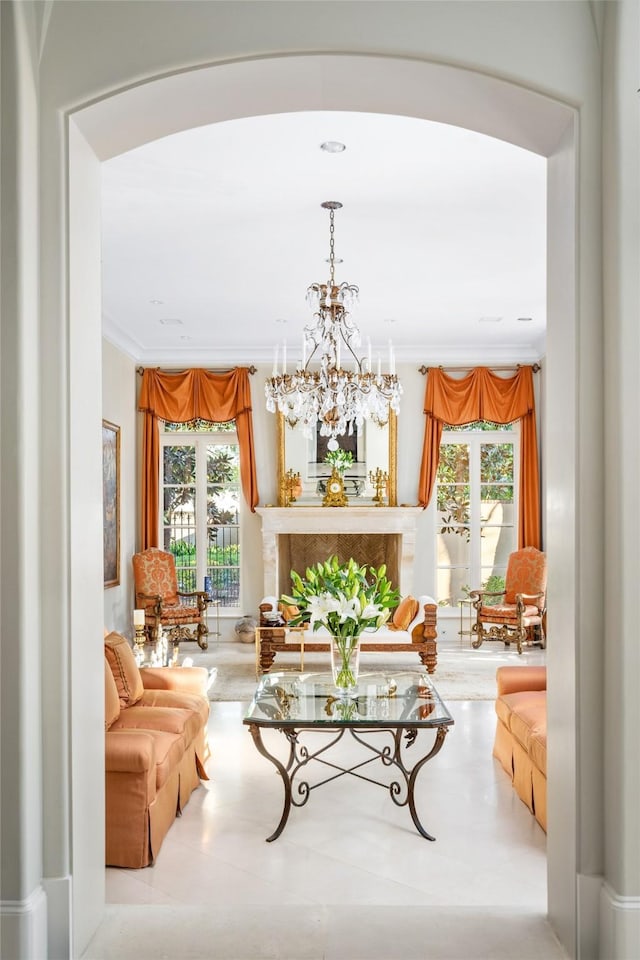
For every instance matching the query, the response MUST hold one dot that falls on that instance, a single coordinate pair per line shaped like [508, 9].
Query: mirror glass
[372, 448]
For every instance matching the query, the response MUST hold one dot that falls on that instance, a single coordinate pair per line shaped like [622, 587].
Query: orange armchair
[156, 585]
[519, 614]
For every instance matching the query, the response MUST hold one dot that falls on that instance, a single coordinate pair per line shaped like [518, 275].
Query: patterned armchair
[520, 611]
[156, 585]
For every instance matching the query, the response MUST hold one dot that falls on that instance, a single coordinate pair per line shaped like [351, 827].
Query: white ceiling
[441, 229]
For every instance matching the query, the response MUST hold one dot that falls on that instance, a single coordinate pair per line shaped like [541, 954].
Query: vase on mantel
[345, 662]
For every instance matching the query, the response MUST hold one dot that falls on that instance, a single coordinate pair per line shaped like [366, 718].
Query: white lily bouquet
[339, 459]
[345, 599]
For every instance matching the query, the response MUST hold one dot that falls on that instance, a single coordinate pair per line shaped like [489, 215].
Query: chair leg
[202, 633]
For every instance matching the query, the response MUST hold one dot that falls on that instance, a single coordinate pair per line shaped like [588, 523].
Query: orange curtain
[179, 398]
[482, 395]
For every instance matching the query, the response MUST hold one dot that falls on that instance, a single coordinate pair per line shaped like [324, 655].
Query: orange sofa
[521, 734]
[155, 750]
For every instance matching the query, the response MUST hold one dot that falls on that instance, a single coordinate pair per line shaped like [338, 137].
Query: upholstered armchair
[156, 586]
[519, 613]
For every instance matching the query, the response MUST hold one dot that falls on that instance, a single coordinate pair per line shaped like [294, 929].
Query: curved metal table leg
[282, 770]
[440, 735]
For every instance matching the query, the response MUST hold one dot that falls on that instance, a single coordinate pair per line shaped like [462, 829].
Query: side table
[468, 603]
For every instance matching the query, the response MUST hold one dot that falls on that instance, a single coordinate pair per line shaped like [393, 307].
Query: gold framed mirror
[303, 472]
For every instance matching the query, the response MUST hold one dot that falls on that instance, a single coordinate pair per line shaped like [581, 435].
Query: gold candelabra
[379, 479]
[290, 488]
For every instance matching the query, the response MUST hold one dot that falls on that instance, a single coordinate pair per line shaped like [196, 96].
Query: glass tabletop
[310, 699]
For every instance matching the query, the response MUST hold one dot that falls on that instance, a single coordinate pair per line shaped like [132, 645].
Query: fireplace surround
[295, 537]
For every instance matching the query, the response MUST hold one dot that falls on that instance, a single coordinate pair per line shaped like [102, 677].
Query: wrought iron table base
[390, 756]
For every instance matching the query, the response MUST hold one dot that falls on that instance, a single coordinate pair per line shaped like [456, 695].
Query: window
[476, 508]
[200, 512]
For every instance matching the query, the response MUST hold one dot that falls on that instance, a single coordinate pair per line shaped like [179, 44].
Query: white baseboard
[59, 927]
[24, 927]
[619, 925]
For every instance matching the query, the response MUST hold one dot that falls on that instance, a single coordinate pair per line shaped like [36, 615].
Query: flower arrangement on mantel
[339, 460]
[345, 599]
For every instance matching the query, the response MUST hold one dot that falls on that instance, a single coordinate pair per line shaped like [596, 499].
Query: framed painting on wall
[111, 502]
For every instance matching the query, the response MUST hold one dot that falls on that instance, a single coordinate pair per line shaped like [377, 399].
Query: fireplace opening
[297, 551]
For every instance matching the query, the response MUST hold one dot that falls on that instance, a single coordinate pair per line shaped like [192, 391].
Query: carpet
[461, 674]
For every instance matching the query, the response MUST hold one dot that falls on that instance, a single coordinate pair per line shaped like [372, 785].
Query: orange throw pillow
[404, 613]
[124, 669]
[111, 698]
[288, 611]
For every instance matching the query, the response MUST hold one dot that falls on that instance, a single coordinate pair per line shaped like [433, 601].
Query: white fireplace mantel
[283, 521]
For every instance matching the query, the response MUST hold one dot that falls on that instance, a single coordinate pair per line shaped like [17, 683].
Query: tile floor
[350, 878]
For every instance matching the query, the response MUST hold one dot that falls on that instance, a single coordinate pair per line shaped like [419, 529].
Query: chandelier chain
[332, 260]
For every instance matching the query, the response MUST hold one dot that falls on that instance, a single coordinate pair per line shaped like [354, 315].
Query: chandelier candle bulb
[138, 618]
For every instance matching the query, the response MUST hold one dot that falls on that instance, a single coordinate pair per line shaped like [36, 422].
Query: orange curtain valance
[483, 395]
[179, 398]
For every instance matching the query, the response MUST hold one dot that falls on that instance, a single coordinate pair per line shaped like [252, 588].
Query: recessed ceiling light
[333, 146]
[524, 319]
[490, 319]
[170, 322]
[156, 303]
[280, 320]
[185, 336]
[390, 320]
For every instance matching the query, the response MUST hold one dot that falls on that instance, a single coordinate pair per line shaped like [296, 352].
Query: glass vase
[345, 661]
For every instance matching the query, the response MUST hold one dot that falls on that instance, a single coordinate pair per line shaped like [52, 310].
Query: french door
[476, 509]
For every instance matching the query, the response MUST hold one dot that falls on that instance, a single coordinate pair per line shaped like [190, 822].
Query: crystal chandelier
[334, 396]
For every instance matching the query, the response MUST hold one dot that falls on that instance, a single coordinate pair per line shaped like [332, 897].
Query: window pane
[495, 546]
[454, 463]
[497, 512]
[493, 580]
[496, 462]
[223, 518]
[179, 464]
[454, 547]
[497, 491]
[223, 464]
[452, 583]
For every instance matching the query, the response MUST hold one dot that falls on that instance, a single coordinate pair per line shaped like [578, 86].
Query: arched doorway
[358, 83]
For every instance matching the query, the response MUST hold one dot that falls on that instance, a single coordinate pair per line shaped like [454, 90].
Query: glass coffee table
[301, 705]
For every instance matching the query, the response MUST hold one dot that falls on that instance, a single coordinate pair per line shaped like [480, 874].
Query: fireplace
[293, 538]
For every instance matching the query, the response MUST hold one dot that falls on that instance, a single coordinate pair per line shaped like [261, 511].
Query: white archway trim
[367, 84]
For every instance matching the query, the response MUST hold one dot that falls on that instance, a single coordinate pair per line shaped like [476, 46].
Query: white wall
[119, 407]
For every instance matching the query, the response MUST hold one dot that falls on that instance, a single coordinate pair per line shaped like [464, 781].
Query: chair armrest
[184, 679]
[529, 597]
[486, 593]
[420, 615]
[149, 596]
[519, 679]
[129, 751]
[423, 625]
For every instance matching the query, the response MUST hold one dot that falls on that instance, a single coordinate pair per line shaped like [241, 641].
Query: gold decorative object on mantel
[379, 479]
[290, 485]
[335, 495]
